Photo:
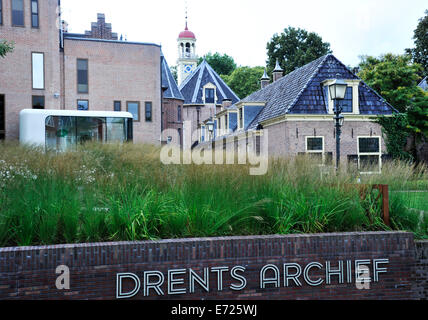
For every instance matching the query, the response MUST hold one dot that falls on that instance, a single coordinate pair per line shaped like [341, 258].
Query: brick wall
[29, 273]
[289, 137]
[421, 284]
[117, 71]
[16, 67]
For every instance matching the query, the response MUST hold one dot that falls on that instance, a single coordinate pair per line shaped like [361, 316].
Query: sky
[242, 28]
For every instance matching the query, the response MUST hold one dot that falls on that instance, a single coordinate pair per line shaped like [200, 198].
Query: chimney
[278, 73]
[264, 81]
[226, 104]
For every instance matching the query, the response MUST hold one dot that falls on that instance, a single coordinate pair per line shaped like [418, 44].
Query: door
[2, 118]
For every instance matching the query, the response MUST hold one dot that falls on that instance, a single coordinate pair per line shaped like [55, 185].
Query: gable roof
[168, 82]
[301, 92]
[424, 84]
[192, 87]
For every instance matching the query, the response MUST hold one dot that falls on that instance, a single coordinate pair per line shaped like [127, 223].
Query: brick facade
[118, 70]
[16, 67]
[30, 272]
[421, 257]
[290, 137]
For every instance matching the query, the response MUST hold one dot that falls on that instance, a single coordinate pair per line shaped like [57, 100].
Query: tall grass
[124, 193]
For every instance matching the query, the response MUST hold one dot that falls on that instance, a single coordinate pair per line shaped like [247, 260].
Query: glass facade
[63, 132]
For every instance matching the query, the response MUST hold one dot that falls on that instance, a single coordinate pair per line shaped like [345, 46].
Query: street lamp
[210, 126]
[337, 92]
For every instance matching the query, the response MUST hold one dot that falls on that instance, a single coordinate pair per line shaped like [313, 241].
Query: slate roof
[192, 87]
[424, 84]
[168, 82]
[301, 92]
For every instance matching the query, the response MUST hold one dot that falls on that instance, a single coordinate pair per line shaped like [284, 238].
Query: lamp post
[337, 93]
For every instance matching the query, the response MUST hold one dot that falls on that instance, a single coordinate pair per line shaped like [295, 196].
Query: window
[134, 109]
[82, 76]
[148, 110]
[179, 135]
[347, 103]
[83, 105]
[2, 118]
[34, 13]
[117, 106]
[209, 95]
[315, 147]
[203, 134]
[226, 125]
[38, 102]
[18, 13]
[369, 154]
[241, 118]
[38, 70]
[179, 113]
[1, 12]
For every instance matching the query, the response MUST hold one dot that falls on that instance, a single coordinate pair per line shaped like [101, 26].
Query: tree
[294, 48]
[222, 64]
[394, 77]
[420, 52]
[5, 48]
[174, 73]
[244, 80]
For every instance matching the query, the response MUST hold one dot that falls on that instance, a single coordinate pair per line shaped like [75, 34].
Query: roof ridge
[218, 76]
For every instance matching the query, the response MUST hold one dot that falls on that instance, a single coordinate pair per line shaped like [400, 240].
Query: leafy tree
[174, 73]
[395, 129]
[222, 64]
[418, 114]
[394, 77]
[420, 52]
[294, 48]
[5, 48]
[244, 80]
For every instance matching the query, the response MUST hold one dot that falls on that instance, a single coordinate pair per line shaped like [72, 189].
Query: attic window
[347, 103]
[209, 95]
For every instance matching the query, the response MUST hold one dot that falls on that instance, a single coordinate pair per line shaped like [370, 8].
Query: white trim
[379, 153]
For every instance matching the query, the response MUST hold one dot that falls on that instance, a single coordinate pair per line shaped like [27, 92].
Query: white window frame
[355, 85]
[322, 152]
[38, 70]
[209, 85]
[379, 154]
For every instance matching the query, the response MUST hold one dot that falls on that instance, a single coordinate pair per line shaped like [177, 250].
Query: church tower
[187, 59]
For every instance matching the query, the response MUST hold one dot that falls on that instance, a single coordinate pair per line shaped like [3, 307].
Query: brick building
[298, 112]
[53, 69]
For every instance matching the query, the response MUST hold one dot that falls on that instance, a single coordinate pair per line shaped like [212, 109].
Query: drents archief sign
[359, 273]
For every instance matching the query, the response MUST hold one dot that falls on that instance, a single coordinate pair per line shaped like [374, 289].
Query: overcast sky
[242, 28]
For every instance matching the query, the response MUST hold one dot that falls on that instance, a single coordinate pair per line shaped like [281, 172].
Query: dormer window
[350, 104]
[241, 118]
[209, 95]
